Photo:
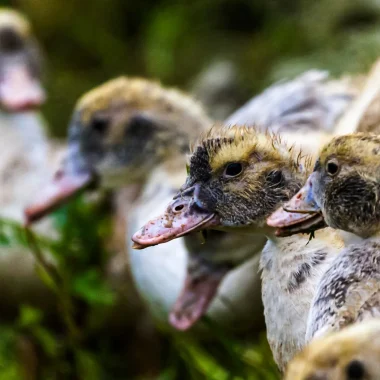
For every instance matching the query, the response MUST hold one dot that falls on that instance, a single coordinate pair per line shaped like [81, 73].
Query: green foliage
[72, 266]
[9, 366]
[224, 358]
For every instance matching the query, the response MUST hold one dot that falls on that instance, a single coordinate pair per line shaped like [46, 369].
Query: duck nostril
[179, 208]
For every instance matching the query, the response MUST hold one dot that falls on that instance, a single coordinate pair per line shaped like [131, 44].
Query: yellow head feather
[240, 143]
[140, 94]
[360, 147]
[15, 20]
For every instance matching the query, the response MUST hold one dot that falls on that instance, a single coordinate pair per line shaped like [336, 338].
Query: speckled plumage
[349, 292]
[272, 173]
[291, 271]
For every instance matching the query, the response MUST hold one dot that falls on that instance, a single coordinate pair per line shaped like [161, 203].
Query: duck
[350, 354]
[168, 278]
[28, 155]
[343, 192]
[237, 177]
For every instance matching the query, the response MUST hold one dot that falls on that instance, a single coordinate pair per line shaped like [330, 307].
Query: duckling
[350, 354]
[360, 116]
[20, 88]
[158, 124]
[27, 155]
[21, 93]
[237, 178]
[343, 190]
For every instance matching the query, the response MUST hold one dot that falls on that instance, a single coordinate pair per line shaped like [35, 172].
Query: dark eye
[355, 370]
[275, 177]
[10, 40]
[332, 167]
[100, 124]
[233, 169]
[140, 127]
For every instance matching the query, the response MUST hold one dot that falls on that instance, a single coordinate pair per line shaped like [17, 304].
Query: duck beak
[19, 91]
[300, 215]
[201, 285]
[62, 188]
[185, 214]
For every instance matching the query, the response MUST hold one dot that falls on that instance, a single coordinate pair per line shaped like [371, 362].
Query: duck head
[342, 192]
[350, 354]
[20, 64]
[236, 178]
[117, 134]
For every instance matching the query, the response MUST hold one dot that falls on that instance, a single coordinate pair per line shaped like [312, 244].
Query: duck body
[28, 160]
[291, 270]
[27, 156]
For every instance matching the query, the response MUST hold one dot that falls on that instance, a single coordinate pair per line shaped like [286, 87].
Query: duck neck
[27, 124]
[25, 133]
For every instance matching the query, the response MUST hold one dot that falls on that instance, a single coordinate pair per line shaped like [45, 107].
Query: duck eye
[100, 125]
[233, 169]
[332, 168]
[355, 370]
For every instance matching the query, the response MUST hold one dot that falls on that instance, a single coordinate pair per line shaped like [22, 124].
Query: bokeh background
[224, 52]
[89, 41]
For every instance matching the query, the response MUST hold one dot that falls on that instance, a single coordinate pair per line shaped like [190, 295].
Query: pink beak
[182, 216]
[196, 296]
[63, 187]
[300, 214]
[19, 91]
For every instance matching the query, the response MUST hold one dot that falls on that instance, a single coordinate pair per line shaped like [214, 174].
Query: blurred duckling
[27, 155]
[21, 64]
[343, 191]
[237, 178]
[350, 354]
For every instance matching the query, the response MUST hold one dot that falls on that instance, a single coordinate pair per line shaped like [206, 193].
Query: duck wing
[349, 291]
